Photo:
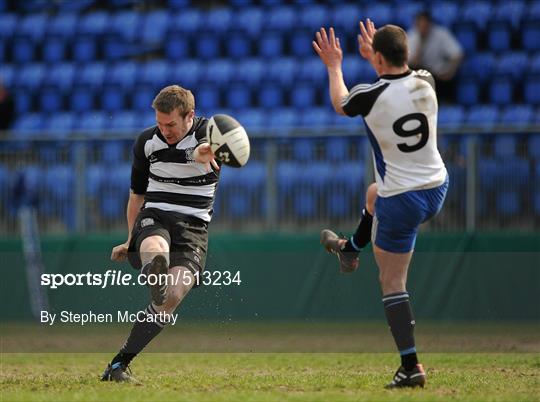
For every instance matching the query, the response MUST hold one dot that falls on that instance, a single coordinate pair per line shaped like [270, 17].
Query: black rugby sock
[401, 321]
[141, 335]
[362, 236]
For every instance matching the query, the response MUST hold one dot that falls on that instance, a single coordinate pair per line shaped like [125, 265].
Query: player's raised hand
[119, 253]
[203, 154]
[365, 39]
[328, 48]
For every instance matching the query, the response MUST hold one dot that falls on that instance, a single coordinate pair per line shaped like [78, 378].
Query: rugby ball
[228, 140]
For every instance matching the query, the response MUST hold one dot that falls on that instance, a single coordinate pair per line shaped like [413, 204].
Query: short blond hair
[174, 97]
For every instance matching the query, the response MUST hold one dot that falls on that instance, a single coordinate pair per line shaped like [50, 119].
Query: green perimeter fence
[461, 276]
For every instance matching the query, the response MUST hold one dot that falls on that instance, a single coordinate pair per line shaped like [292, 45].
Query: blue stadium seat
[339, 204]
[352, 70]
[478, 12]
[337, 149]
[534, 64]
[60, 125]
[316, 117]
[238, 97]
[270, 45]
[126, 24]
[30, 76]
[511, 11]
[451, 116]
[208, 97]
[93, 122]
[112, 152]
[63, 25]
[283, 70]
[188, 20]
[347, 177]
[513, 64]
[59, 181]
[112, 99]
[54, 50]
[113, 202]
[531, 89]
[187, 73]
[380, 13]
[219, 20]
[84, 49]
[23, 50]
[499, 36]
[312, 70]
[92, 75]
[303, 95]
[95, 175]
[530, 35]
[33, 26]
[485, 116]
[501, 90]
[488, 170]
[516, 173]
[250, 20]
[250, 71]
[312, 17]
[238, 45]
[8, 25]
[504, 146]
[468, 91]
[81, 99]
[304, 150]
[345, 19]
[116, 47]
[28, 123]
[534, 149]
[219, 72]
[50, 100]
[142, 99]
[94, 23]
[281, 18]
[154, 27]
[283, 118]
[479, 65]
[207, 46]
[270, 96]
[445, 12]
[407, 13]
[7, 74]
[517, 115]
[298, 43]
[177, 47]
[155, 73]
[466, 35]
[61, 75]
[251, 119]
[126, 120]
[305, 205]
[508, 203]
[536, 202]
[179, 4]
[123, 74]
[24, 102]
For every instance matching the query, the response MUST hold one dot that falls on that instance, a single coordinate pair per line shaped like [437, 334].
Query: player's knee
[154, 244]
[371, 197]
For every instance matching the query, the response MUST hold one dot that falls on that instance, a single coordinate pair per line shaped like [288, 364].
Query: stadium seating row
[62, 124]
[177, 45]
[300, 192]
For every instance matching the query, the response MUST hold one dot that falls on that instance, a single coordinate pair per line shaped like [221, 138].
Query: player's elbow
[339, 110]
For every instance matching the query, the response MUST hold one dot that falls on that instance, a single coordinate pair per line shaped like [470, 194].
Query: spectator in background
[434, 48]
[7, 108]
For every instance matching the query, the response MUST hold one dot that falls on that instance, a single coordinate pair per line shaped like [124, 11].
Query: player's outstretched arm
[135, 202]
[329, 50]
[203, 154]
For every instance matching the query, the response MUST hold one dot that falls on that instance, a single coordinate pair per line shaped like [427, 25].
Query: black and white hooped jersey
[400, 114]
[169, 177]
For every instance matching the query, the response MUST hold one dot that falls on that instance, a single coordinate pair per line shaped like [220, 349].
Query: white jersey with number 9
[400, 114]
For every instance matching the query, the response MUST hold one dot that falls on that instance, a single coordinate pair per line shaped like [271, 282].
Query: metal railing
[295, 181]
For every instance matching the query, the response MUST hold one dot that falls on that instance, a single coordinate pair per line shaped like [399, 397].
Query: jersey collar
[395, 76]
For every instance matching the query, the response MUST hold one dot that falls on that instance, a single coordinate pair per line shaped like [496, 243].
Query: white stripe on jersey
[360, 89]
[198, 213]
[177, 170]
[205, 191]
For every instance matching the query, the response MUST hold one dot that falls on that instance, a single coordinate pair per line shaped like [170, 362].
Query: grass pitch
[458, 364]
